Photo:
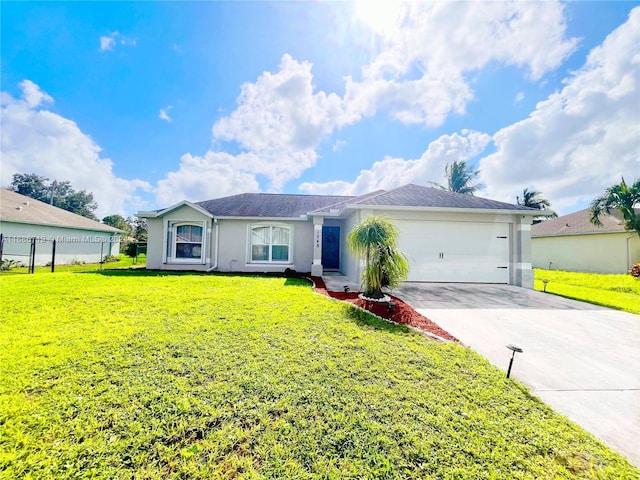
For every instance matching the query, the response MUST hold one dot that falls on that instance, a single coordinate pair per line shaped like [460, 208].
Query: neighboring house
[573, 243]
[448, 237]
[78, 239]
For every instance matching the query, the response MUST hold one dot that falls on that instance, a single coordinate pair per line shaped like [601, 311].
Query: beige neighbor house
[448, 237]
[573, 243]
[78, 239]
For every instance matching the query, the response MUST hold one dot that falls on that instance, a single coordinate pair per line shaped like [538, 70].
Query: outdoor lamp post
[514, 349]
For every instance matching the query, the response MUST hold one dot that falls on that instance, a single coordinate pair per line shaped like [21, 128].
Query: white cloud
[519, 97]
[32, 94]
[107, 42]
[37, 140]
[394, 172]
[338, 145]
[419, 74]
[201, 178]
[164, 113]
[582, 139]
[278, 124]
[280, 121]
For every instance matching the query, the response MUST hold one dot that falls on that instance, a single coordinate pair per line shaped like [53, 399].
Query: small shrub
[75, 261]
[6, 265]
[131, 250]
[634, 271]
[111, 258]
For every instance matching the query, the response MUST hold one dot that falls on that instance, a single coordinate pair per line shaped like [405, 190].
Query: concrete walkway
[335, 282]
[581, 359]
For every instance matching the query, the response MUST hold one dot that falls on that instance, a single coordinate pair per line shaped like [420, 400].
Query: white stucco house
[78, 239]
[573, 243]
[448, 237]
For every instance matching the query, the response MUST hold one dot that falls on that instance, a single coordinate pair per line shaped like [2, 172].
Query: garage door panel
[455, 251]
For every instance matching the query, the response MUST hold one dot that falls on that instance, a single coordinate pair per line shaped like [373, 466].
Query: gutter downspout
[215, 257]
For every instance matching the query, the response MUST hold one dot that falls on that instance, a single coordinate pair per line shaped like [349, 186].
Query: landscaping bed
[400, 313]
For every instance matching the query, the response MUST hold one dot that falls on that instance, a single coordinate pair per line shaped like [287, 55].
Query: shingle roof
[278, 205]
[419, 196]
[577, 223]
[18, 208]
[268, 204]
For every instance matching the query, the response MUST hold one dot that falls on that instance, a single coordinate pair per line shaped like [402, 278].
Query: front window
[270, 244]
[188, 242]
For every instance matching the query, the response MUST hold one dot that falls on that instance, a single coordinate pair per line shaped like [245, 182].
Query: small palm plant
[375, 240]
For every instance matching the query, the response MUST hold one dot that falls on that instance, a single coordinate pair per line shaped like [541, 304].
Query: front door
[331, 248]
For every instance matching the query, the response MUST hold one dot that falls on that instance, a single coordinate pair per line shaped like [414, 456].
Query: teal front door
[331, 248]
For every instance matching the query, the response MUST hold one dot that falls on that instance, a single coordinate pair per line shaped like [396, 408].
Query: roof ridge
[370, 195]
[246, 194]
[347, 199]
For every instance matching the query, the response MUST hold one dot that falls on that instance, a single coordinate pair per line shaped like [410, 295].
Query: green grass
[621, 291]
[131, 374]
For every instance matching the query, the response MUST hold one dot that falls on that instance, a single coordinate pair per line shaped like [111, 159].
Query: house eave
[578, 234]
[115, 231]
[302, 218]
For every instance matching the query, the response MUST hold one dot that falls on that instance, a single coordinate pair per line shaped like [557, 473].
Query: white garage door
[455, 251]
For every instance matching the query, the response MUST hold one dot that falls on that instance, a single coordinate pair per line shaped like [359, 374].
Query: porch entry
[331, 248]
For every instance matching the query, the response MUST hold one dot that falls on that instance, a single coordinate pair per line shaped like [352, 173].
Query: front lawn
[621, 291]
[130, 374]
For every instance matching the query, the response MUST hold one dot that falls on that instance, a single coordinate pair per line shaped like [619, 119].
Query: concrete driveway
[581, 359]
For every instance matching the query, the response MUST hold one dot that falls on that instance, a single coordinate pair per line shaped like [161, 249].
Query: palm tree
[623, 198]
[533, 199]
[375, 239]
[460, 178]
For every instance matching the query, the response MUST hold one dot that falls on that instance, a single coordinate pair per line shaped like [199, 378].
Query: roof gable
[15, 207]
[164, 211]
[577, 223]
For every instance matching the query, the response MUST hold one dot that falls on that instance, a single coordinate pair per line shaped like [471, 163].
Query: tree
[117, 221]
[375, 239]
[138, 228]
[461, 178]
[59, 194]
[81, 203]
[623, 198]
[533, 199]
[30, 185]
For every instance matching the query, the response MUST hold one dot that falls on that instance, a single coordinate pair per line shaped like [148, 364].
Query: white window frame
[270, 260]
[173, 237]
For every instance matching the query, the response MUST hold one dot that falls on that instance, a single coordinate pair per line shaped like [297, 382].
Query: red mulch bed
[402, 313]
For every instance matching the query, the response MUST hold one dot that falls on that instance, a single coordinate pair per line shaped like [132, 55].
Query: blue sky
[149, 103]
